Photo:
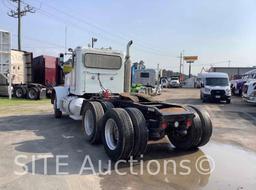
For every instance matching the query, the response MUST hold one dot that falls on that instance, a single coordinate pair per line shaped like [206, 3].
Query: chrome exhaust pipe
[128, 49]
[127, 69]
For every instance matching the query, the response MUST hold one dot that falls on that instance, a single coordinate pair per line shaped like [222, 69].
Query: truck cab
[96, 69]
[215, 86]
[174, 82]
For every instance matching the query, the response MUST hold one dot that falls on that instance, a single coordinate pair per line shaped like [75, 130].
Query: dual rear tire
[92, 115]
[140, 131]
[123, 132]
[198, 134]
[19, 92]
[32, 93]
[129, 126]
[117, 134]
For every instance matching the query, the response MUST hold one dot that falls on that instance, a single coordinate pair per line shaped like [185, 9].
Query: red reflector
[106, 94]
[189, 122]
[164, 125]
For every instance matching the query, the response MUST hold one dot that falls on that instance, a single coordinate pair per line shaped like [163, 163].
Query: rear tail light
[189, 123]
[164, 125]
[106, 94]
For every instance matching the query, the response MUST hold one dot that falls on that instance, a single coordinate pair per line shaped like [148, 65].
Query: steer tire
[117, 146]
[107, 106]
[57, 112]
[206, 125]
[91, 121]
[193, 136]
[140, 131]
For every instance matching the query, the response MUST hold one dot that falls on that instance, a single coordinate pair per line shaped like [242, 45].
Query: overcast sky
[215, 30]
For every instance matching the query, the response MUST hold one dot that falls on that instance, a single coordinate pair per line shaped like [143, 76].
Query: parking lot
[31, 132]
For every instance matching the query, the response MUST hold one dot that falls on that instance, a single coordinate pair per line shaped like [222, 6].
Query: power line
[99, 28]
[93, 25]
[59, 19]
[82, 28]
[41, 41]
[11, 4]
[5, 5]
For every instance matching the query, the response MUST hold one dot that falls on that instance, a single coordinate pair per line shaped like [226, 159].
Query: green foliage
[136, 87]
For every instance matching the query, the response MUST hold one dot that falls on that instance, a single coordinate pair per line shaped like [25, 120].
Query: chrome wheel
[88, 122]
[111, 134]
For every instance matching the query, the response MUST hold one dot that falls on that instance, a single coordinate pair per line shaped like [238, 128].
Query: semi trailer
[23, 76]
[18, 77]
[97, 92]
[31, 78]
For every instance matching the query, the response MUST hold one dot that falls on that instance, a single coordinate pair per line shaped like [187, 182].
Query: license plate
[217, 96]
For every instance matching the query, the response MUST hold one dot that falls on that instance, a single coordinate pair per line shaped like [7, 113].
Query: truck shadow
[63, 139]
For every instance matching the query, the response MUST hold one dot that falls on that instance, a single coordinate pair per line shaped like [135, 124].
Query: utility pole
[19, 27]
[181, 61]
[189, 72]
[18, 13]
[66, 31]
[158, 79]
[158, 75]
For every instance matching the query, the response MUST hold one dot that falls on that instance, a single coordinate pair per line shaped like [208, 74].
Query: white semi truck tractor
[96, 91]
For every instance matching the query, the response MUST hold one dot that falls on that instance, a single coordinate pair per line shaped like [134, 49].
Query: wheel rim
[88, 122]
[32, 94]
[19, 92]
[111, 134]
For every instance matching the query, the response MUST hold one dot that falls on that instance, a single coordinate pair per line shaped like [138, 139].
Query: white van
[215, 86]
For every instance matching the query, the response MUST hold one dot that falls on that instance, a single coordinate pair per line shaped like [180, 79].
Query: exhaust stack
[127, 69]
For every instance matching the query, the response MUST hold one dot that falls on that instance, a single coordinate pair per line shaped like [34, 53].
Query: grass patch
[4, 101]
